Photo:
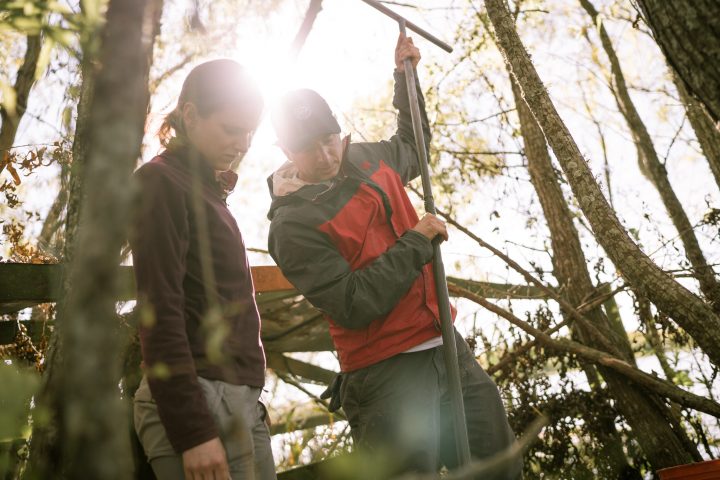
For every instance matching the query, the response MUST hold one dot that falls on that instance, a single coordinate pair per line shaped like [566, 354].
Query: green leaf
[57, 7]
[683, 379]
[18, 387]
[216, 331]
[29, 9]
[9, 98]
[62, 36]
[598, 23]
[26, 25]
[160, 370]
[67, 117]
[91, 9]
[44, 57]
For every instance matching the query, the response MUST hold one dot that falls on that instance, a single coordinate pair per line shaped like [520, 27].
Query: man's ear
[346, 141]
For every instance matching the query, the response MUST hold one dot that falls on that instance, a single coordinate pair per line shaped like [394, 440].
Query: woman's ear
[189, 115]
[286, 151]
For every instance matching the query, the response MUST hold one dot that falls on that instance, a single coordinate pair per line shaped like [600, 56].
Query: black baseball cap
[301, 117]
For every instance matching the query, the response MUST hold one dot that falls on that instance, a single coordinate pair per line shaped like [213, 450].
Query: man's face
[222, 136]
[319, 160]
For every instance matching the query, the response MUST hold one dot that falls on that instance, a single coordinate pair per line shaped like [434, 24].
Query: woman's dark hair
[210, 86]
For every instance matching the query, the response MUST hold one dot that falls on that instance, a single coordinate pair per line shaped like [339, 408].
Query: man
[345, 233]
[197, 410]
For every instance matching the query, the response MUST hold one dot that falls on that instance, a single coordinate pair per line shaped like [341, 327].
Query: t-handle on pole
[399, 18]
[446, 324]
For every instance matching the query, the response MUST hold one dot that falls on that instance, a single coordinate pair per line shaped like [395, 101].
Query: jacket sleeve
[400, 152]
[159, 244]
[352, 298]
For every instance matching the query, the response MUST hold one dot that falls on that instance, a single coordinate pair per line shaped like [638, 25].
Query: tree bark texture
[45, 445]
[92, 418]
[644, 411]
[654, 169]
[707, 135]
[690, 311]
[688, 33]
[23, 83]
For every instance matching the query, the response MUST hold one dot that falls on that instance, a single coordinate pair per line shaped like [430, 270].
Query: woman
[197, 410]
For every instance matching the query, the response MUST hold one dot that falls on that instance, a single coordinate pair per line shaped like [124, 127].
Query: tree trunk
[651, 166]
[644, 411]
[87, 435]
[45, 447]
[48, 240]
[707, 135]
[694, 315]
[688, 33]
[23, 83]
[93, 431]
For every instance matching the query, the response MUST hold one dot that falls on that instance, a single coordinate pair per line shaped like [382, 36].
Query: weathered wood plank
[13, 307]
[22, 284]
[289, 322]
[304, 370]
[269, 278]
[300, 422]
[40, 283]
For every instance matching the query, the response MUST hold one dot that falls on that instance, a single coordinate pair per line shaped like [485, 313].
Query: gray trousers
[240, 417]
[399, 413]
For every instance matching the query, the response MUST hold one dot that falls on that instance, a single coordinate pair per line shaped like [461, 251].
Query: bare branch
[305, 28]
[657, 385]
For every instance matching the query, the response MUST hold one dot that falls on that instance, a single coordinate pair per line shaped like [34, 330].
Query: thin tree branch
[564, 304]
[305, 28]
[657, 385]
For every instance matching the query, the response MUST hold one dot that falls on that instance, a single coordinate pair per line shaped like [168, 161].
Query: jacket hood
[286, 188]
[189, 160]
[285, 180]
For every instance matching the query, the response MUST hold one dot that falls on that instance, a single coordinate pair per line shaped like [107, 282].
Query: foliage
[19, 385]
[581, 419]
[480, 178]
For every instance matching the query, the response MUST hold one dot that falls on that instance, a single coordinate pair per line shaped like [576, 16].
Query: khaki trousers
[240, 417]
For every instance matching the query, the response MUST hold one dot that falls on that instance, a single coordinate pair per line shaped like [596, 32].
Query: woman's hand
[206, 461]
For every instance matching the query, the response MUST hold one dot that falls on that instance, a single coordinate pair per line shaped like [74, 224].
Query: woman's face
[222, 136]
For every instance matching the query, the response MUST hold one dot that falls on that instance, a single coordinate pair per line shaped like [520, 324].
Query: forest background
[616, 340]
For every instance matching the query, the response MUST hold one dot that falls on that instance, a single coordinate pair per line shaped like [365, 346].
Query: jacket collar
[285, 181]
[190, 160]
[297, 190]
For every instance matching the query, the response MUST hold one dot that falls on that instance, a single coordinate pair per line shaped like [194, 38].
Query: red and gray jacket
[348, 247]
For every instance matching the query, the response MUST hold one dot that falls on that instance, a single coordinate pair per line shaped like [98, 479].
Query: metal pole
[446, 324]
[420, 31]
